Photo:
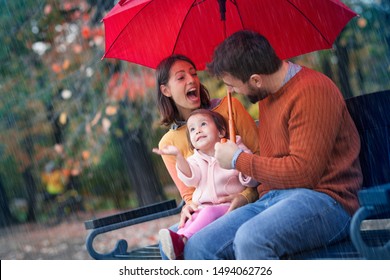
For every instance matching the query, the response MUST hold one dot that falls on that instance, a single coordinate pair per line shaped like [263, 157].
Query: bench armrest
[375, 203]
[125, 219]
[378, 196]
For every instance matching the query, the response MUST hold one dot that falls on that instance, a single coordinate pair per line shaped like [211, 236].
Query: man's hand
[224, 153]
[186, 213]
[237, 200]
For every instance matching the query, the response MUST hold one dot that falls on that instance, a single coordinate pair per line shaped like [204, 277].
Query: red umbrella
[146, 31]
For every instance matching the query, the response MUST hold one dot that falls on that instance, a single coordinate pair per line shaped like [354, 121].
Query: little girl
[205, 128]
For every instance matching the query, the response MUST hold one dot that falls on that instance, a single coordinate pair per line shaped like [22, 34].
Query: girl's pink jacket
[213, 182]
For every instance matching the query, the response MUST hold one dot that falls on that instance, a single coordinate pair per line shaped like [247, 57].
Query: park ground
[66, 241]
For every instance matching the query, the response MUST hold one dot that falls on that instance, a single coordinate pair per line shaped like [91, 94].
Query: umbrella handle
[232, 129]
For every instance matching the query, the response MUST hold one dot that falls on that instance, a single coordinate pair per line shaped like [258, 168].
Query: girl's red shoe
[172, 244]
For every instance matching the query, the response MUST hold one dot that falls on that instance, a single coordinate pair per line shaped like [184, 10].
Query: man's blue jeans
[281, 223]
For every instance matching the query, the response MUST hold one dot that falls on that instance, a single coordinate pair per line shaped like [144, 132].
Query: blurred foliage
[60, 102]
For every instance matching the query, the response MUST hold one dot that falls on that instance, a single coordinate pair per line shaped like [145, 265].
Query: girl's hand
[167, 150]
[186, 213]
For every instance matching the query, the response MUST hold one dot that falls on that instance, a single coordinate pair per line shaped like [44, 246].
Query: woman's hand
[236, 201]
[186, 213]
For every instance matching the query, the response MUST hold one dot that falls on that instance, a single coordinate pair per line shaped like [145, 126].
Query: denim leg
[215, 241]
[294, 220]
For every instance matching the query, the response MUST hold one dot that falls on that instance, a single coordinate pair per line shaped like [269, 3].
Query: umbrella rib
[198, 2]
[314, 26]
[194, 3]
[234, 2]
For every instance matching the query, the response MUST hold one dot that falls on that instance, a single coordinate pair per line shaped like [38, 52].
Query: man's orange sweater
[307, 140]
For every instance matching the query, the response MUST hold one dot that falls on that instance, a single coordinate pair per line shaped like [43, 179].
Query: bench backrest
[371, 113]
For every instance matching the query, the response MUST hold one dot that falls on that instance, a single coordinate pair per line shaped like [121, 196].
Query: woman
[179, 92]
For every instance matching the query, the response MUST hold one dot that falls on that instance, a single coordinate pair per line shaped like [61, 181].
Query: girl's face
[203, 133]
[183, 87]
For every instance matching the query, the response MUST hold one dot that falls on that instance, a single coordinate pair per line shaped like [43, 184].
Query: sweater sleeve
[311, 122]
[244, 179]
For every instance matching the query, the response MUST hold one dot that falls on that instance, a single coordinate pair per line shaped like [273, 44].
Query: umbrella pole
[232, 129]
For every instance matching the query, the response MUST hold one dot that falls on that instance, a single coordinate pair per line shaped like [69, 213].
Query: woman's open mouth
[192, 95]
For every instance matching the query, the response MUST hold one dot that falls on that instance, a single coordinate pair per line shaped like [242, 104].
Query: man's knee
[249, 244]
[243, 238]
[202, 246]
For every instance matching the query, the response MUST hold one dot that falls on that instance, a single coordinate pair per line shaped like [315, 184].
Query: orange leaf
[56, 68]
[86, 32]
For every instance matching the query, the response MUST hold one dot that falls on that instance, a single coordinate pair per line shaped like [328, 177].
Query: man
[308, 166]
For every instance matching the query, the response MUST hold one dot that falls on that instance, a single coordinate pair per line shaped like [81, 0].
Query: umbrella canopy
[147, 31]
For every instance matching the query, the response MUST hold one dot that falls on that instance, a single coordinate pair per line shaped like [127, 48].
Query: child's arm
[181, 162]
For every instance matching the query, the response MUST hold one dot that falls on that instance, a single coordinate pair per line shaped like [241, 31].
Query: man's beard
[256, 94]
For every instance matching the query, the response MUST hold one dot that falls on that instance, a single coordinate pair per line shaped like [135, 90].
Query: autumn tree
[57, 102]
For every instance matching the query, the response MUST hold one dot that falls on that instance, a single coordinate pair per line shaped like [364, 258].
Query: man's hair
[243, 54]
[166, 105]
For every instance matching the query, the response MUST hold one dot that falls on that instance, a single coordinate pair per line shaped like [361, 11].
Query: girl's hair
[243, 54]
[166, 105]
[218, 119]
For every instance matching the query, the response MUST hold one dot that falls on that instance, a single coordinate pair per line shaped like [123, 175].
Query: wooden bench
[370, 226]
